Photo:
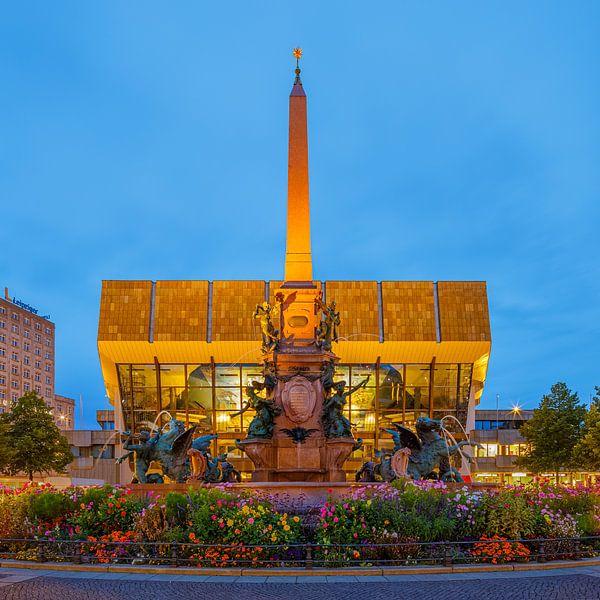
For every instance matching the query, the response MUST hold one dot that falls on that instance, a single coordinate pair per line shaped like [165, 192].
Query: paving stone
[571, 586]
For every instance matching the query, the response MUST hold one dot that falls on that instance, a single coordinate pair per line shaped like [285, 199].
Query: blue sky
[448, 141]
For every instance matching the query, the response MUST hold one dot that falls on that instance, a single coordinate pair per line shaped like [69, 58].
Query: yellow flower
[245, 508]
[286, 528]
[273, 537]
[296, 519]
[229, 522]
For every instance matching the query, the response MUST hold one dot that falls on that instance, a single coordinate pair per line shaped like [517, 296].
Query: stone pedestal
[279, 459]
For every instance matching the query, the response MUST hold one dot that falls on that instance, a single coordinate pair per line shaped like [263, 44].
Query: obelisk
[298, 257]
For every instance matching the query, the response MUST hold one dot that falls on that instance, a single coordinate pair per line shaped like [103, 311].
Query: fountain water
[467, 459]
[158, 416]
[110, 438]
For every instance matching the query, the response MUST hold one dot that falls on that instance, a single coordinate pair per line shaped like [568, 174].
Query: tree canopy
[30, 441]
[587, 450]
[553, 431]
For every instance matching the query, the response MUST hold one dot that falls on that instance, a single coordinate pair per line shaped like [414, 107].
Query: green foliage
[107, 510]
[587, 450]
[49, 506]
[94, 496]
[6, 450]
[553, 431]
[14, 521]
[402, 517]
[34, 442]
[200, 511]
[508, 515]
[177, 506]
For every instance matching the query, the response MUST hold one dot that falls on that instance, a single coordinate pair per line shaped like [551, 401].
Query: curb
[291, 572]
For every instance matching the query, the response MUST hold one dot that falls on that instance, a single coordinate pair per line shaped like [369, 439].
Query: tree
[553, 431]
[5, 448]
[35, 443]
[587, 450]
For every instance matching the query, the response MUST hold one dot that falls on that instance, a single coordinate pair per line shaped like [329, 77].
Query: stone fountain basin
[295, 493]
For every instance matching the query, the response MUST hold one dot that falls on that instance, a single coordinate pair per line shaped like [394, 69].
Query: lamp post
[497, 412]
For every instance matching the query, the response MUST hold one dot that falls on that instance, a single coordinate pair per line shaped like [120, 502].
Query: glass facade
[493, 425]
[208, 396]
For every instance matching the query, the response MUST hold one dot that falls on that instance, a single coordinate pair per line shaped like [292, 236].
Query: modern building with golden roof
[191, 347]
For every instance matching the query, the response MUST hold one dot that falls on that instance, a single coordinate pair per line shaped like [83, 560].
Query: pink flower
[324, 525]
[213, 517]
[335, 519]
[251, 520]
[221, 524]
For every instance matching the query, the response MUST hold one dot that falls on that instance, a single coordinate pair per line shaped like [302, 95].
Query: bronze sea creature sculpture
[421, 455]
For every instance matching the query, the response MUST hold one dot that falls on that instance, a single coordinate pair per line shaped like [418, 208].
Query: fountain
[299, 433]
[299, 436]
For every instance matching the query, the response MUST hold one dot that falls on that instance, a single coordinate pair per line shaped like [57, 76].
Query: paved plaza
[559, 584]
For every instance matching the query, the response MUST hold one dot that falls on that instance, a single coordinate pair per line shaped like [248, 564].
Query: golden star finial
[297, 54]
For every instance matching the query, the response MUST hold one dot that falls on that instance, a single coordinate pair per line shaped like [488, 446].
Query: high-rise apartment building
[27, 358]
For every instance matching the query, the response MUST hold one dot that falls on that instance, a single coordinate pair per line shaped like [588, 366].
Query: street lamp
[497, 411]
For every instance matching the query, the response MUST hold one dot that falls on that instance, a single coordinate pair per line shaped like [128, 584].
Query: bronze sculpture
[327, 330]
[142, 453]
[424, 455]
[264, 313]
[177, 453]
[327, 374]
[262, 424]
[335, 423]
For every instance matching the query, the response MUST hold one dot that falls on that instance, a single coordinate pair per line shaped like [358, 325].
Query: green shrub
[177, 506]
[14, 520]
[508, 515]
[49, 506]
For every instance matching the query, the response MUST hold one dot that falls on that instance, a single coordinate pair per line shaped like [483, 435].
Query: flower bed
[405, 523]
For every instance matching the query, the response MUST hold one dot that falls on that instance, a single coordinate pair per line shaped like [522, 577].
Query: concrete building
[192, 347]
[27, 358]
[95, 451]
[26, 352]
[63, 409]
[498, 433]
